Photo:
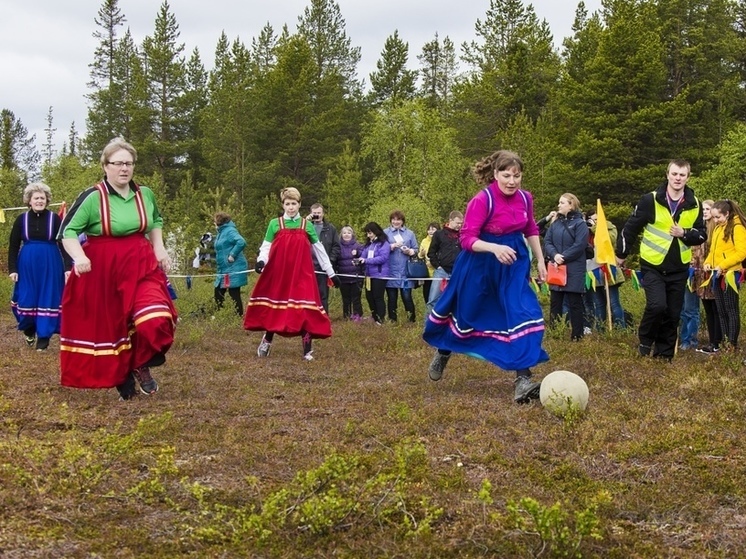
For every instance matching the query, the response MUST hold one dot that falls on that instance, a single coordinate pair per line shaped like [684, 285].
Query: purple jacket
[377, 266]
[345, 267]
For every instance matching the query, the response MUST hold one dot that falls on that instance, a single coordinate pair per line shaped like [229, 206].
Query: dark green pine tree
[439, 72]
[227, 120]
[739, 55]
[324, 29]
[514, 71]
[165, 69]
[19, 159]
[700, 53]
[105, 110]
[302, 121]
[131, 89]
[618, 121]
[263, 49]
[49, 131]
[393, 81]
[192, 104]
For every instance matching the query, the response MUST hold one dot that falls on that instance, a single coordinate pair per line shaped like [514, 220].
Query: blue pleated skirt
[489, 311]
[38, 291]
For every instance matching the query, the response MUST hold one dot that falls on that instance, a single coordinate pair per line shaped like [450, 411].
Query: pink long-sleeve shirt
[511, 213]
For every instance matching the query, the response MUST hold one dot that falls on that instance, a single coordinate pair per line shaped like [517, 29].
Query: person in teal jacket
[232, 266]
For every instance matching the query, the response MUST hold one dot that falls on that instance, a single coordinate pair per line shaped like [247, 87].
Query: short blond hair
[290, 193]
[28, 192]
[115, 145]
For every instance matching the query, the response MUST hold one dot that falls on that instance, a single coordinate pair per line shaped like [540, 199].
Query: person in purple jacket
[375, 258]
[350, 274]
[489, 310]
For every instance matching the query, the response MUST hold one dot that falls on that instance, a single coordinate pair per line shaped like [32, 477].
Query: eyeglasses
[125, 164]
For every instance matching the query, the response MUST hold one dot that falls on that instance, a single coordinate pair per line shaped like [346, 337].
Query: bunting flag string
[24, 208]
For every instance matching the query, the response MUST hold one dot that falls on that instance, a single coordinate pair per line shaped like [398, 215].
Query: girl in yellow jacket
[727, 252]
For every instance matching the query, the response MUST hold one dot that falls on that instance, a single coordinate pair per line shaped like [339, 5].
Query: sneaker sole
[531, 395]
[151, 392]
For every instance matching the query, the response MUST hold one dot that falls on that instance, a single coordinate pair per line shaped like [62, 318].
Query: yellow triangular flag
[602, 240]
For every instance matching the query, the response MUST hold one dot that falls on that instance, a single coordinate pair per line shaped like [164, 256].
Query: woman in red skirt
[117, 316]
[286, 299]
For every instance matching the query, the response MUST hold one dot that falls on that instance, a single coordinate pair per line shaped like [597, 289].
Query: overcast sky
[46, 45]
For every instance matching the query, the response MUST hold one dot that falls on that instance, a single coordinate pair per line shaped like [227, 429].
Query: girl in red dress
[286, 299]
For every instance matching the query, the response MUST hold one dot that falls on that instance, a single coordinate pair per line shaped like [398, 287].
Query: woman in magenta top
[489, 310]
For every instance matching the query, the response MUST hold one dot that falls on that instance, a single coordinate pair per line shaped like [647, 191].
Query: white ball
[562, 390]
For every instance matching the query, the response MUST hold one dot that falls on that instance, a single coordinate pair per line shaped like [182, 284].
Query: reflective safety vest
[656, 239]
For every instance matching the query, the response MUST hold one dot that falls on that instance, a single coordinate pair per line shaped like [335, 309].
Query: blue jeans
[689, 319]
[435, 289]
[617, 312]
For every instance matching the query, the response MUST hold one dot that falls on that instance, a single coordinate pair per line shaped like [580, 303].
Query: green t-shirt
[85, 214]
[274, 227]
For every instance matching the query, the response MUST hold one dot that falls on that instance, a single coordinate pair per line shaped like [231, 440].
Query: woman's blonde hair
[28, 192]
[115, 145]
[290, 193]
[574, 202]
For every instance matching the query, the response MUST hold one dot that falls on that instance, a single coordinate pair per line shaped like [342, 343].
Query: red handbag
[557, 274]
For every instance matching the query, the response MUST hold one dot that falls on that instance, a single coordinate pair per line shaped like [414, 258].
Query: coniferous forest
[637, 83]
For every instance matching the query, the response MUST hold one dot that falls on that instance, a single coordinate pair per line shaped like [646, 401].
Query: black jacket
[568, 236]
[644, 214]
[444, 249]
[330, 239]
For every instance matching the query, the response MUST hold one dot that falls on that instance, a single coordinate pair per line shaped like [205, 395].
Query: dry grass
[357, 454]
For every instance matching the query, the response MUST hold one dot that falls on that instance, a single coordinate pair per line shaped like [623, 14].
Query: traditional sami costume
[489, 309]
[119, 316]
[35, 256]
[285, 299]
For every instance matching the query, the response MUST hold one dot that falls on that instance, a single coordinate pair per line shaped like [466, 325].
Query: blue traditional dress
[35, 256]
[489, 309]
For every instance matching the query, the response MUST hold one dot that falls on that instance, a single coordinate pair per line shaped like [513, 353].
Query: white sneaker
[264, 348]
[587, 331]
[308, 356]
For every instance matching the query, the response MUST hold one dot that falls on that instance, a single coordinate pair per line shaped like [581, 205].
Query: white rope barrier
[324, 273]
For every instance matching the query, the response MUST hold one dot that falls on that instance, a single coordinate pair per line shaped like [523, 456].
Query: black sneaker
[29, 340]
[708, 349]
[644, 349]
[438, 365]
[148, 384]
[127, 389]
[526, 390]
[42, 344]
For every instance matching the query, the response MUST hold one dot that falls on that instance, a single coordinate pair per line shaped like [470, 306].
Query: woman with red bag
[565, 243]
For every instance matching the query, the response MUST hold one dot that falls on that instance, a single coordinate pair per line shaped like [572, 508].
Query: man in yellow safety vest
[670, 220]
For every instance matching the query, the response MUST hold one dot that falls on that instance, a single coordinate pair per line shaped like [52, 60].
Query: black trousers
[576, 307]
[392, 293]
[664, 298]
[235, 294]
[375, 298]
[351, 304]
[726, 302]
[714, 332]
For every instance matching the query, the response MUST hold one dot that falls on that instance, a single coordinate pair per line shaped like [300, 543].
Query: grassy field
[358, 454]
